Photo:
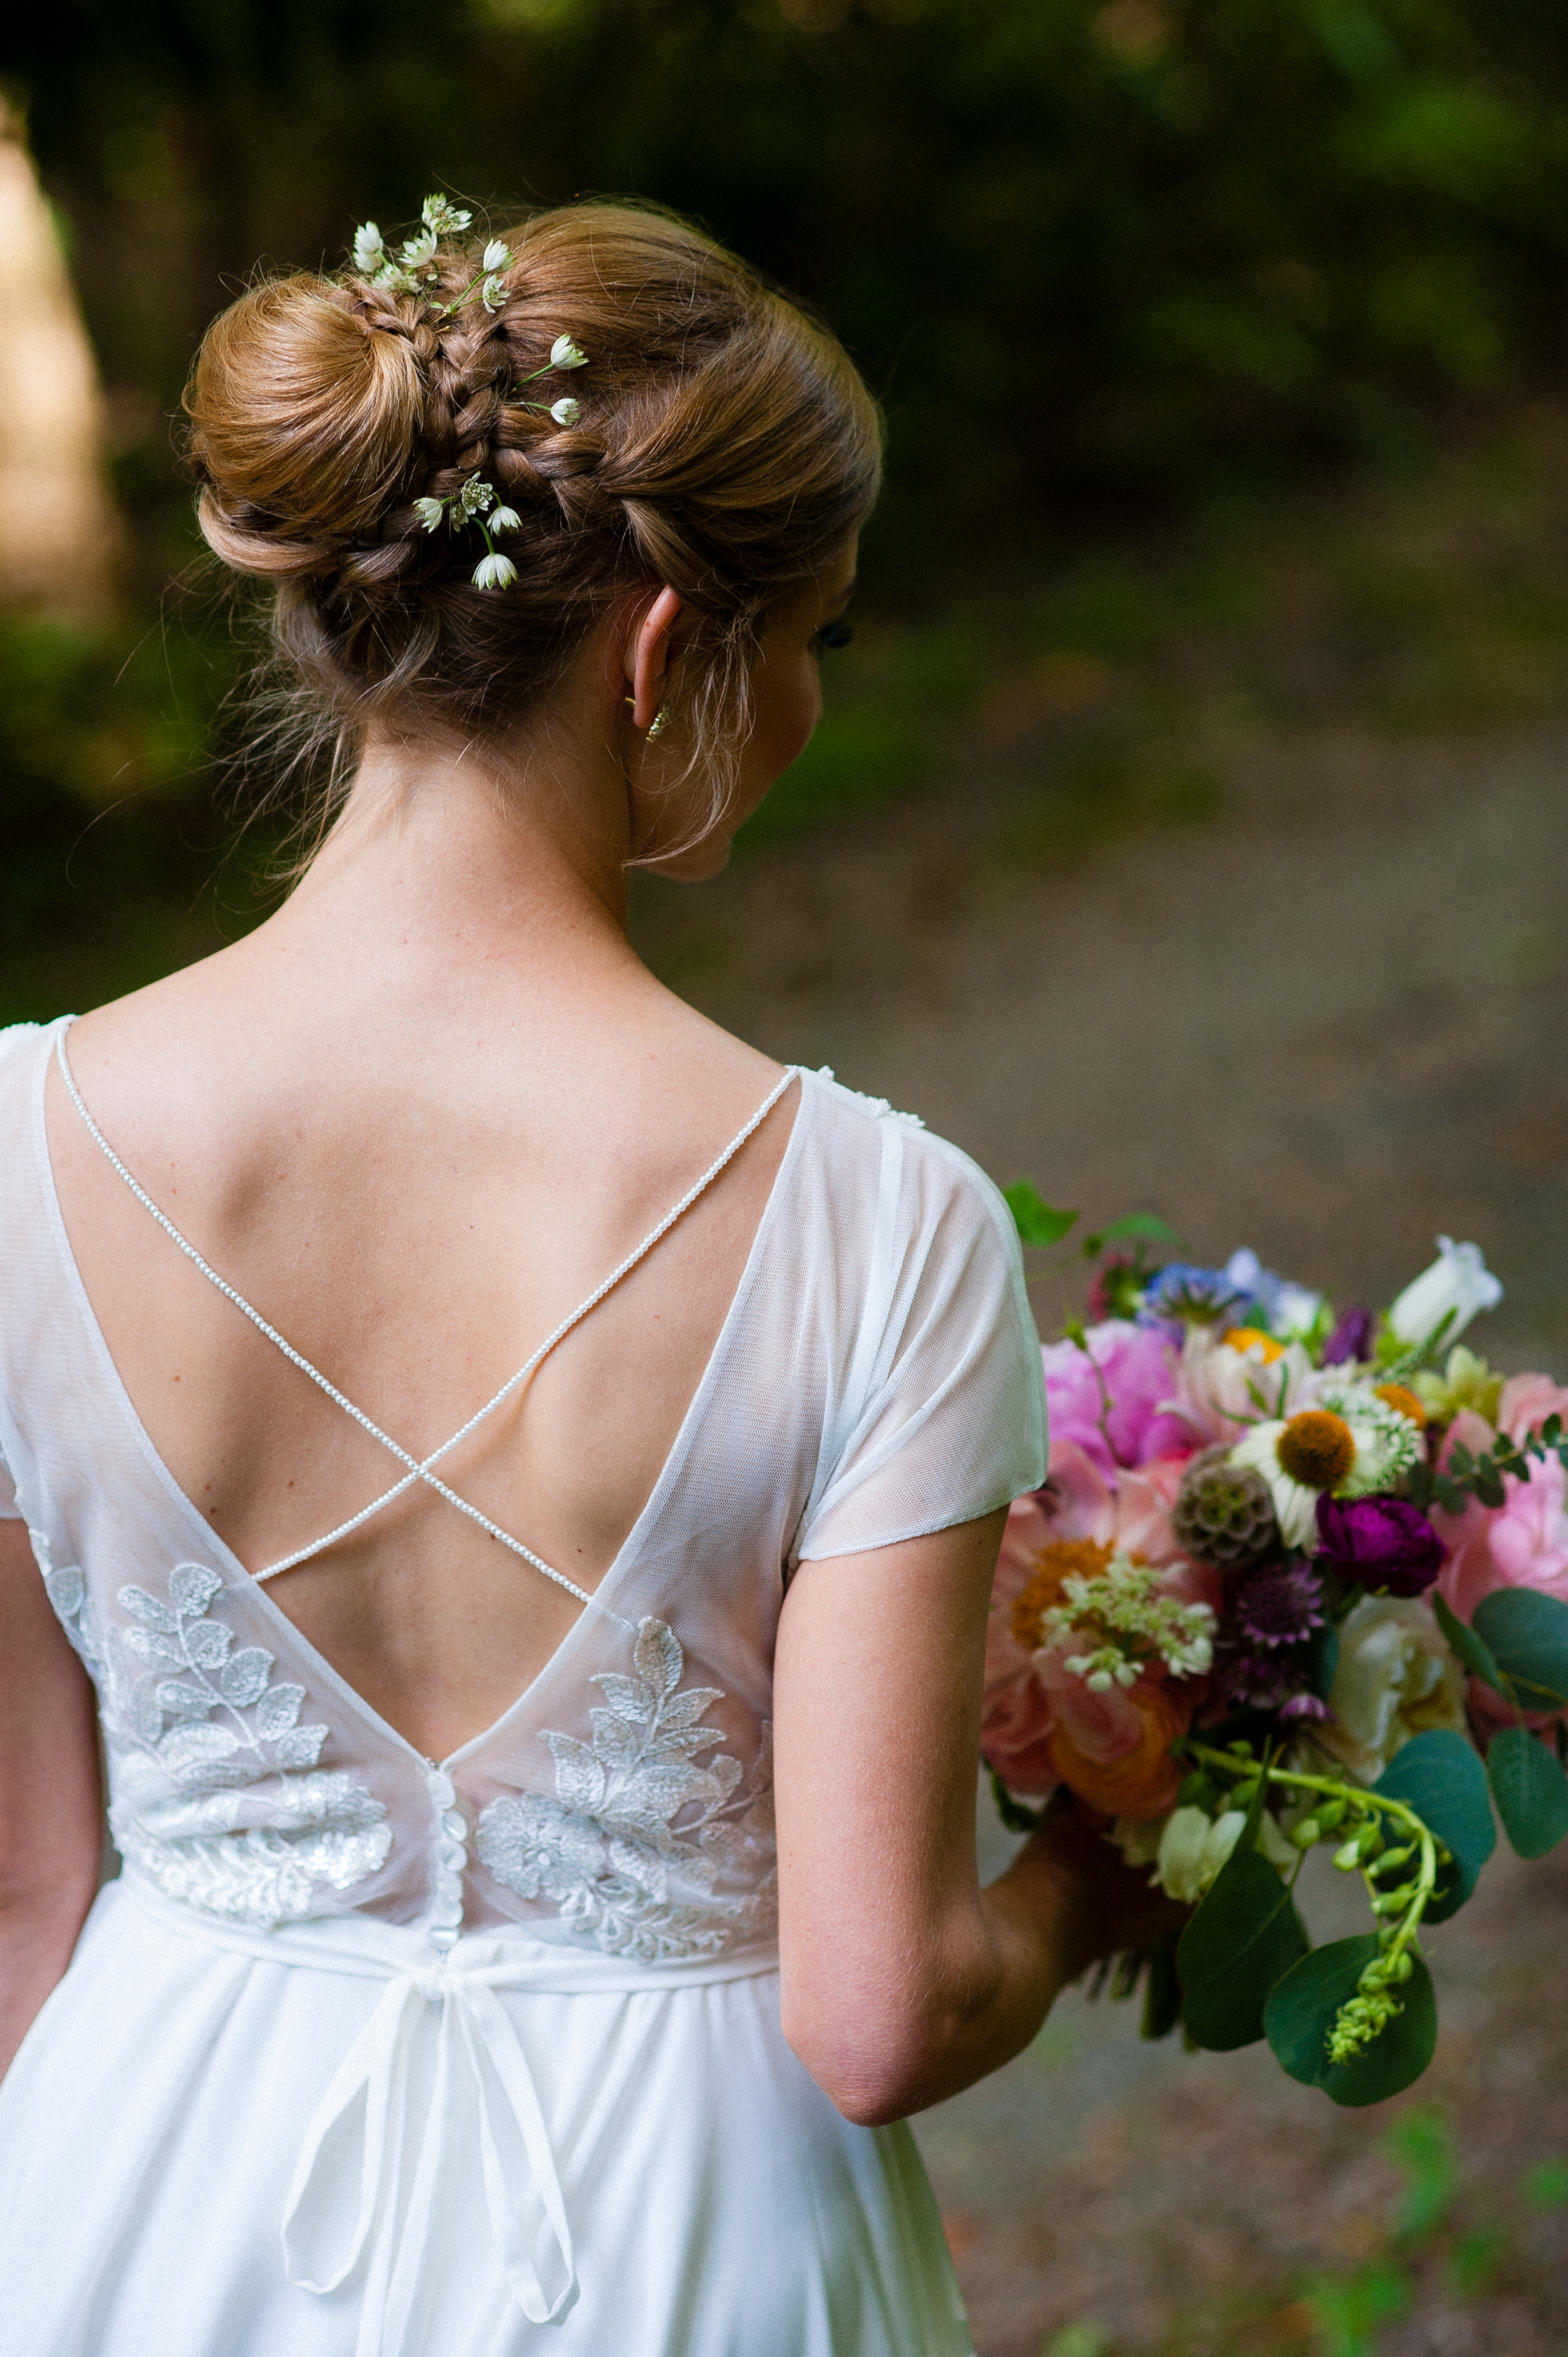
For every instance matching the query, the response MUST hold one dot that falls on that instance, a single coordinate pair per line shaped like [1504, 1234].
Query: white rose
[1455, 1287]
[1396, 1678]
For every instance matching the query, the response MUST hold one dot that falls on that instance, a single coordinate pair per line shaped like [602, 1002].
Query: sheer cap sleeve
[941, 1412]
[13, 1037]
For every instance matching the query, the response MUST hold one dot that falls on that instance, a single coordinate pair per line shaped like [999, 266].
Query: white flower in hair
[564, 354]
[498, 253]
[430, 512]
[442, 217]
[566, 411]
[419, 250]
[494, 572]
[493, 293]
[370, 251]
[506, 520]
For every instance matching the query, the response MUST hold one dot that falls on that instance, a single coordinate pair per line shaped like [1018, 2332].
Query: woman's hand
[1102, 1904]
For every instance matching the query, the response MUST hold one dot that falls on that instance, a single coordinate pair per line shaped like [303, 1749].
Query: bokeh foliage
[1102, 259]
[1114, 244]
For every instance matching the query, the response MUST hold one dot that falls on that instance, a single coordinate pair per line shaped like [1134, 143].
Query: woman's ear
[648, 658]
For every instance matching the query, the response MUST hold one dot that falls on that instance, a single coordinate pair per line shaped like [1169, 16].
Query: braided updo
[724, 444]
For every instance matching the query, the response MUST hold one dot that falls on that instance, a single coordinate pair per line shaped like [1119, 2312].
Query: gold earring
[656, 726]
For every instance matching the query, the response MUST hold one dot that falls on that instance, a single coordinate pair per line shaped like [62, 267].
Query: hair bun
[305, 417]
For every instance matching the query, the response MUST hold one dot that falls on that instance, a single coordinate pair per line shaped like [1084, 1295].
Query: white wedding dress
[367, 2056]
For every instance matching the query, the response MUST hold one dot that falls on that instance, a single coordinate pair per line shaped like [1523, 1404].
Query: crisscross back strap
[419, 1469]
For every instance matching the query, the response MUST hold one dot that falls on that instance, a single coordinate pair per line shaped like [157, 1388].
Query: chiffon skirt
[323, 2142]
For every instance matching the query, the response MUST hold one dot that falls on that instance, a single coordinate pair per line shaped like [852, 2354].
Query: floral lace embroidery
[229, 1814]
[608, 1851]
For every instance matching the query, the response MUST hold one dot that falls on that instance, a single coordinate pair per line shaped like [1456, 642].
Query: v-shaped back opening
[211, 1542]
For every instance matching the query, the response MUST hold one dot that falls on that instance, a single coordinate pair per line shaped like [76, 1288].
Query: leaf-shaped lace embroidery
[608, 1851]
[219, 1799]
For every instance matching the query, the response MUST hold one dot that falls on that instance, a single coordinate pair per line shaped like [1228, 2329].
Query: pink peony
[1138, 1364]
[1523, 1543]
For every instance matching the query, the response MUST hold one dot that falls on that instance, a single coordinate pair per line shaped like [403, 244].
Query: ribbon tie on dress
[438, 2051]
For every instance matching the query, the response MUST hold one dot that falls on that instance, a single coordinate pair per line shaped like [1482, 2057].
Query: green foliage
[1545, 2187]
[1349, 2311]
[1037, 1224]
[1440, 1776]
[1527, 1634]
[1069, 242]
[1304, 2006]
[1243, 1937]
[1423, 2147]
[1530, 1789]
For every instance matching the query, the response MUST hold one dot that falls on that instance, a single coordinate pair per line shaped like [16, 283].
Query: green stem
[1384, 1965]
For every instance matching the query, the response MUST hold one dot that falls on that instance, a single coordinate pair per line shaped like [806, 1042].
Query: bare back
[414, 1168]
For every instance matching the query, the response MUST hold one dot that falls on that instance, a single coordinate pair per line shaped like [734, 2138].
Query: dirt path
[1323, 1016]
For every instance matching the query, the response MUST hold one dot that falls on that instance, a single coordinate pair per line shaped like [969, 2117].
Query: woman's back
[414, 1155]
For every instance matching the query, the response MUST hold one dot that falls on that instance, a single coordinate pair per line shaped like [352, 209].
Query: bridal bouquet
[1293, 1578]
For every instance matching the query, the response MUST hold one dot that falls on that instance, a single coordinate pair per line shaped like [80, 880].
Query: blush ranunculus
[1114, 1748]
[1138, 1364]
[1015, 1729]
[1129, 1512]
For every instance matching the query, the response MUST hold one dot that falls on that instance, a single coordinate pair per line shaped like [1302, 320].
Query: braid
[717, 440]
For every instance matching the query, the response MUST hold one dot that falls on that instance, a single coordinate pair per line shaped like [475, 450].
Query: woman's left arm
[903, 1980]
[51, 1798]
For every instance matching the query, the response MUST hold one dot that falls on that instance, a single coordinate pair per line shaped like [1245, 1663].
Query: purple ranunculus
[1138, 1368]
[1352, 1338]
[1378, 1543]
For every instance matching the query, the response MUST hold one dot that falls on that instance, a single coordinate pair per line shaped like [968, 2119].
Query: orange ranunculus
[1142, 1781]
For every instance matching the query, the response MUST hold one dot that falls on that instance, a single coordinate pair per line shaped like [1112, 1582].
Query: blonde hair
[726, 445]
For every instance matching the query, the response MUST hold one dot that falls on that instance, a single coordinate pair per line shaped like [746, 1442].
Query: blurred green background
[1189, 822]
[1120, 271]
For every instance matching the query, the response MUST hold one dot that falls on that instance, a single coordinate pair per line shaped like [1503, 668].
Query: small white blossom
[442, 217]
[564, 354]
[494, 572]
[476, 498]
[418, 250]
[566, 411]
[1455, 1287]
[1124, 1607]
[430, 512]
[493, 293]
[369, 253]
[506, 520]
[498, 253]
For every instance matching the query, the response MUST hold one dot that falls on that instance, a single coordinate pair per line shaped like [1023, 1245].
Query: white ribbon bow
[439, 2035]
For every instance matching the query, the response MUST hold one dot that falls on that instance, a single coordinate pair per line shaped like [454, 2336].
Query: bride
[515, 1474]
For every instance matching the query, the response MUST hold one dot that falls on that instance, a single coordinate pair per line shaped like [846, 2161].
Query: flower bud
[1446, 1296]
[498, 253]
[564, 354]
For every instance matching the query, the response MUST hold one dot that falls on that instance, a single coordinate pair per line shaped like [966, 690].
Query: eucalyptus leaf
[1301, 2012]
[1530, 1788]
[1440, 1776]
[1245, 1935]
[1475, 1654]
[1037, 1223]
[1527, 1634]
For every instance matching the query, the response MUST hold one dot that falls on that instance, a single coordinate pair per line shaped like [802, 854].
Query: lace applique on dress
[228, 1811]
[608, 1849]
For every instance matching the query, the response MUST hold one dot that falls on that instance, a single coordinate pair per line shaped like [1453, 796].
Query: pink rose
[1523, 1543]
[1129, 1511]
[1138, 1365]
[1527, 1402]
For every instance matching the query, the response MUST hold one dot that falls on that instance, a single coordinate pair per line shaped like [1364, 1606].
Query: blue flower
[1182, 1293]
